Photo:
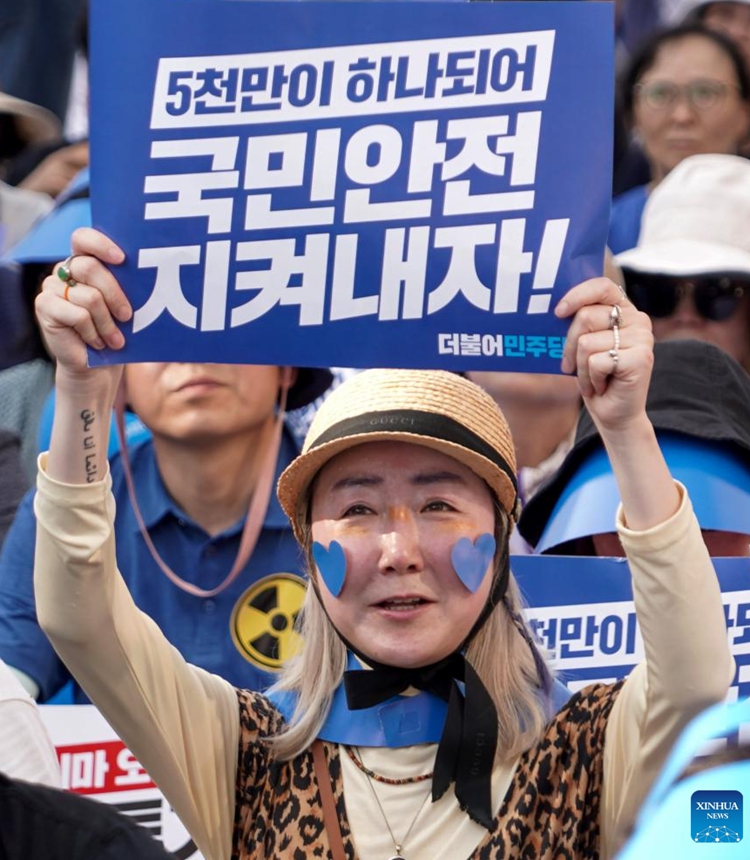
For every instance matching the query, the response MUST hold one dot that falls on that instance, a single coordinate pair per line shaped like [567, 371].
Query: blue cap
[715, 475]
[697, 390]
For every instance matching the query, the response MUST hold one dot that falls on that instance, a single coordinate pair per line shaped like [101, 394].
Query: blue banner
[582, 611]
[355, 184]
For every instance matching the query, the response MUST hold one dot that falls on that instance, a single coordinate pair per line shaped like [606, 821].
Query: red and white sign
[95, 762]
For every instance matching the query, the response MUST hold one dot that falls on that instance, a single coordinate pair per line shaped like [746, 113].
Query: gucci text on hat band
[413, 421]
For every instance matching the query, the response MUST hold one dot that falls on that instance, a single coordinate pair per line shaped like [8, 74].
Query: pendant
[397, 857]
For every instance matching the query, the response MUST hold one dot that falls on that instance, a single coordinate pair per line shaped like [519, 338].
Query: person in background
[26, 751]
[542, 410]
[730, 17]
[686, 92]
[13, 481]
[42, 823]
[690, 271]
[48, 166]
[635, 20]
[188, 512]
[49, 170]
[21, 125]
[202, 482]
[38, 41]
[26, 370]
[699, 403]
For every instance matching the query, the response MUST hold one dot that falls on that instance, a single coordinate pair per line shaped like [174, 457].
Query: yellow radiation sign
[263, 619]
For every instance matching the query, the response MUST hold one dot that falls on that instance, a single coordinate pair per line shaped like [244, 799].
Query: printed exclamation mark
[548, 262]
[215, 285]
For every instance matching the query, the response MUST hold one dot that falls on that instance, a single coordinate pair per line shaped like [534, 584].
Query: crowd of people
[304, 622]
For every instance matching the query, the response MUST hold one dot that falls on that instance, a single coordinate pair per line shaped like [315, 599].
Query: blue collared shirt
[241, 634]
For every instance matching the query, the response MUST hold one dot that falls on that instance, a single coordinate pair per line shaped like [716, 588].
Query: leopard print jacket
[551, 809]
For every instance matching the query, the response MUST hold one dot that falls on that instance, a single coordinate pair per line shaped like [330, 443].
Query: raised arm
[688, 664]
[178, 720]
[614, 381]
[72, 318]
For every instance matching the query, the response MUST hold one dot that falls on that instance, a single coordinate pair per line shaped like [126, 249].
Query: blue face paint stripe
[331, 562]
[472, 560]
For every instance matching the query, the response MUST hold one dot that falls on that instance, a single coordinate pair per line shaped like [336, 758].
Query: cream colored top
[26, 750]
[182, 722]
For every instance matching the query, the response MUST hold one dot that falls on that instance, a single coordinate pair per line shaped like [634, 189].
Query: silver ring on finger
[614, 354]
[63, 271]
[615, 317]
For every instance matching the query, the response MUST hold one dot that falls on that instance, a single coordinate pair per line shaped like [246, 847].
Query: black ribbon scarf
[466, 752]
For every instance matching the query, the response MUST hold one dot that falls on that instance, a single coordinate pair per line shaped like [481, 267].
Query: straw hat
[436, 409]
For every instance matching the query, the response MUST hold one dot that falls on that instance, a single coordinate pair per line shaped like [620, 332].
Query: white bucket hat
[696, 221]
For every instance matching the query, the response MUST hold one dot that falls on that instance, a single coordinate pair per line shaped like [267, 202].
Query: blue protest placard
[356, 184]
[583, 612]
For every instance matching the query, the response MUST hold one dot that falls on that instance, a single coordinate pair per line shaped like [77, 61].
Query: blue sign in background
[218, 120]
[582, 610]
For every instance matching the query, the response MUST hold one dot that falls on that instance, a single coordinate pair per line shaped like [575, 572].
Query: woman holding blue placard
[419, 719]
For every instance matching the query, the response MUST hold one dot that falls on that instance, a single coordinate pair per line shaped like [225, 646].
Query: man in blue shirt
[212, 431]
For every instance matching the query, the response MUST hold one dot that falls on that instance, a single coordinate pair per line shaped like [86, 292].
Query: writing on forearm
[88, 417]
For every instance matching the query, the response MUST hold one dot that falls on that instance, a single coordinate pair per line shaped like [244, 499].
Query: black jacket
[40, 823]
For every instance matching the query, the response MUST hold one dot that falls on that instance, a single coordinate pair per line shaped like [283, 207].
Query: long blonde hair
[500, 653]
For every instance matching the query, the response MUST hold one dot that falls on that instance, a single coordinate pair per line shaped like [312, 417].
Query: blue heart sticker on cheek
[471, 560]
[331, 563]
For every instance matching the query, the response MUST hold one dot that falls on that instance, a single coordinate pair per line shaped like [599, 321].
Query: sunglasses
[716, 297]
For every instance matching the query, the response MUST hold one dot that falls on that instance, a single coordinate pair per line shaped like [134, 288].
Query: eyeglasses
[701, 95]
[716, 297]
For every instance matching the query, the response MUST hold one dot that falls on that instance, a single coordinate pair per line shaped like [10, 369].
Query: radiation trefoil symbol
[263, 620]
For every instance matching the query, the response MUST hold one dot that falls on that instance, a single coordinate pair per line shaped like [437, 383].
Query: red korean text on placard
[100, 768]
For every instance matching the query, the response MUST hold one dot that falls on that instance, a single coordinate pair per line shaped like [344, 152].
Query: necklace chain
[406, 780]
[396, 844]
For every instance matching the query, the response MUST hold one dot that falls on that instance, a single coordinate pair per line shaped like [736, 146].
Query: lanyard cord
[256, 512]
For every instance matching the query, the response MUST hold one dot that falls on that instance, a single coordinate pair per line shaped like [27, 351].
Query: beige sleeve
[688, 663]
[181, 722]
